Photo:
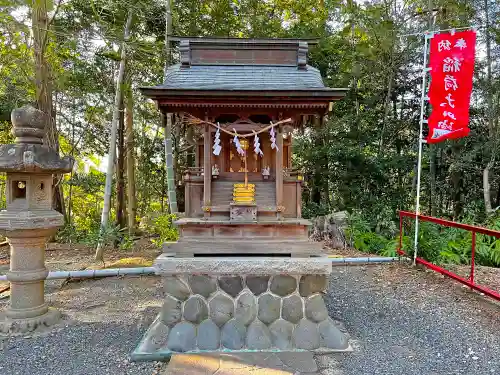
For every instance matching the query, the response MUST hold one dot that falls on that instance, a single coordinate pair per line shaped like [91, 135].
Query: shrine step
[186, 248]
[260, 208]
[222, 193]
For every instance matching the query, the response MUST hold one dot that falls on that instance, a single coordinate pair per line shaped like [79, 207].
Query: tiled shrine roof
[243, 72]
[242, 77]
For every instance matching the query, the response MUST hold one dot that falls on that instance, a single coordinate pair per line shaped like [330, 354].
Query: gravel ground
[401, 321]
[408, 321]
[103, 322]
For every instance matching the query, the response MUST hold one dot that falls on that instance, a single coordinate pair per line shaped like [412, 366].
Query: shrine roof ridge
[242, 41]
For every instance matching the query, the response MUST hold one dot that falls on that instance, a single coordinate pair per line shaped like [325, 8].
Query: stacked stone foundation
[203, 312]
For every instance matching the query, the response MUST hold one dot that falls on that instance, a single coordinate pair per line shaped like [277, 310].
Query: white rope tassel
[217, 147]
[273, 139]
[238, 145]
[256, 145]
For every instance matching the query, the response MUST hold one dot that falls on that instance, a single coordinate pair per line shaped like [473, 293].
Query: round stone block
[182, 337]
[203, 285]
[306, 335]
[292, 309]
[208, 337]
[221, 309]
[232, 285]
[29, 124]
[233, 335]
[311, 284]
[176, 287]
[157, 338]
[281, 334]
[331, 337]
[246, 308]
[316, 308]
[283, 285]
[171, 311]
[269, 308]
[257, 284]
[195, 309]
[258, 336]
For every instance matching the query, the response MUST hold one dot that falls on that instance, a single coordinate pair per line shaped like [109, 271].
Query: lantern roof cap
[29, 154]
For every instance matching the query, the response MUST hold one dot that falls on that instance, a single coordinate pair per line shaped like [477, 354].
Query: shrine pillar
[279, 171]
[207, 171]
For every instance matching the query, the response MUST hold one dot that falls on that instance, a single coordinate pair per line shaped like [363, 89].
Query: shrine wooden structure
[244, 85]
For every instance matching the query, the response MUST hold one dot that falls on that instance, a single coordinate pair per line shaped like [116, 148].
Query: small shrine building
[234, 91]
[243, 277]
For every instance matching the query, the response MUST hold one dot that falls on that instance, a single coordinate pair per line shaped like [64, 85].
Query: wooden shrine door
[237, 162]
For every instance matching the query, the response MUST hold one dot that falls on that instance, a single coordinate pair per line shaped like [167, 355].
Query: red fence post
[473, 257]
[400, 250]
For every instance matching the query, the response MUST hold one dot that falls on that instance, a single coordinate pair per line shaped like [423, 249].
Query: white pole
[423, 98]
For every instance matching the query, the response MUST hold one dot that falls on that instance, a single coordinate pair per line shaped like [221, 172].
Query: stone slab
[241, 364]
[165, 265]
[249, 244]
[192, 364]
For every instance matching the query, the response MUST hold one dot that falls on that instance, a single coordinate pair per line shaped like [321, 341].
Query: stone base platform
[12, 326]
[220, 305]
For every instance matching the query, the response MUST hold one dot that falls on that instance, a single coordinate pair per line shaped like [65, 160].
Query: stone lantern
[29, 220]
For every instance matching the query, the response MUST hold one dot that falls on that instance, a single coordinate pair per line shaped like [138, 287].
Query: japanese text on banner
[452, 68]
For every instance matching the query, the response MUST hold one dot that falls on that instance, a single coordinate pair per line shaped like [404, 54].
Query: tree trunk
[497, 201]
[167, 120]
[388, 97]
[486, 187]
[112, 138]
[43, 85]
[73, 147]
[120, 180]
[132, 200]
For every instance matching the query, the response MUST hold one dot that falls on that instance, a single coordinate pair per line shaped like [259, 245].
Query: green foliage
[487, 247]
[364, 238]
[163, 226]
[110, 236]
[437, 244]
[313, 209]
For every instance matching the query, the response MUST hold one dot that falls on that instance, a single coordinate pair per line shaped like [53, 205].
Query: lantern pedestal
[27, 309]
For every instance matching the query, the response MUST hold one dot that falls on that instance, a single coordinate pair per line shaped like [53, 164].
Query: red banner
[452, 68]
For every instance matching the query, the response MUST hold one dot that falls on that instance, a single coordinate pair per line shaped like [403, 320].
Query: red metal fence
[471, 228]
